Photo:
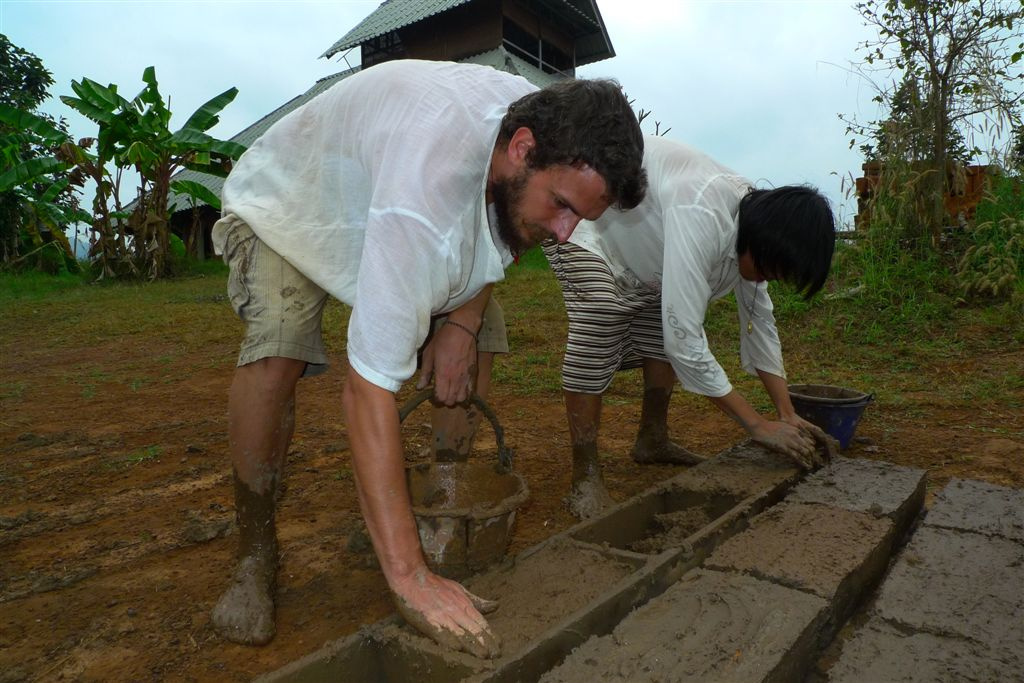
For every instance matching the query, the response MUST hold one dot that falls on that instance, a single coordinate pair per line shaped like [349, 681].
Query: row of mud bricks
[743, 569]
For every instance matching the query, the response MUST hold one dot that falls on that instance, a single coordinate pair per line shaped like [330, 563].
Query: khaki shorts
[282, 309]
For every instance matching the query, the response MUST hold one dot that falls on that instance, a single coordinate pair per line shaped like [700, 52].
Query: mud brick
[545, 587]
[742, 470]
[968, 505]
[376, 653]
[880, 652]
[833, 553]
[707, 626]
[958, 583]
[870, 486]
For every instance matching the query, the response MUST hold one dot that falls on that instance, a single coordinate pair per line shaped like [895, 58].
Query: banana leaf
[206, 117]
[151, 93]
[196, 191]
[217, 166]
[53, 191]
[30, 171]
[227, 148]
[139, 154]
[190, 138]
[75, 154]
[102, 97]
[27, 121]
[88, 110]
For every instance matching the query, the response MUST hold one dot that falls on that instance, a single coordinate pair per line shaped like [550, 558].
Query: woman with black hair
[637, 285]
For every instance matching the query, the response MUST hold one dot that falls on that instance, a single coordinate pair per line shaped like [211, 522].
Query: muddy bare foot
[588, 499]
[665, 453]
[245, 613]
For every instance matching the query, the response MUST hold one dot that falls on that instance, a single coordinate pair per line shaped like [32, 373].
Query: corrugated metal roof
[595, 46]
[393, 15]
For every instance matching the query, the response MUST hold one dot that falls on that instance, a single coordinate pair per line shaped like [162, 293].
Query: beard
[507, 195]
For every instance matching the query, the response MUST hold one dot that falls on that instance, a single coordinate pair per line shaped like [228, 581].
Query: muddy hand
[447, 613]
[791, 441]
[829, 446]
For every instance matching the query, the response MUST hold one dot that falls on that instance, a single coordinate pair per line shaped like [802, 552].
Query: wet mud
[708, 627]
[544, 588]
[671, 529]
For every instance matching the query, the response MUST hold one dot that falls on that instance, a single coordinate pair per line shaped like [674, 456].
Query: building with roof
[541, 40]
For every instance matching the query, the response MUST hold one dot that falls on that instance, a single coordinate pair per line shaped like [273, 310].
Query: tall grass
[992, 264]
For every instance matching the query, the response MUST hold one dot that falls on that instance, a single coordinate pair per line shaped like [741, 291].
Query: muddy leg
[455, 428]
[261, 421]
[588, 496]
[652, 442]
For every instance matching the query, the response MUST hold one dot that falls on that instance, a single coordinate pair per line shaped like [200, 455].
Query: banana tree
[38, 181]
[135, 134]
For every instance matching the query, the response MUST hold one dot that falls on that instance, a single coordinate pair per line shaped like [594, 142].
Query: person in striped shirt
[637, 285]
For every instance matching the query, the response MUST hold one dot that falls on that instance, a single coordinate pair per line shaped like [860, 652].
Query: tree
[906, 134]
[32, 187]
[135, 134]
[24, 81]
[38, 198]
[958, 61]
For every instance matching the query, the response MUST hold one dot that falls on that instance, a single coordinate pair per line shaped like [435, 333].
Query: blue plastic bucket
[834, 409]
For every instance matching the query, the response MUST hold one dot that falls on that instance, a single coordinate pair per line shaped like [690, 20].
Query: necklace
[750, 310]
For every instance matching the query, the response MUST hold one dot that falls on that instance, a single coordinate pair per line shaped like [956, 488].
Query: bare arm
[451, 356]
[442, 609]
[778, 389]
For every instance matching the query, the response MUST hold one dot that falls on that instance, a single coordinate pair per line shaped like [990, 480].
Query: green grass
[36, 285]
[534, 259]
[148, 454]
[884, 321]
[12, 390]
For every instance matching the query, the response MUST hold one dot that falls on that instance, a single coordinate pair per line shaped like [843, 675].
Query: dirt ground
[116, 515]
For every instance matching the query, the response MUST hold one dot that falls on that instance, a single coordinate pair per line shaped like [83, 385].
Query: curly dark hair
[578, 122]
[790, 233]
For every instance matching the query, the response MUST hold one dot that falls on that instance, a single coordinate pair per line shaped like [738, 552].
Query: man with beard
[403, 191]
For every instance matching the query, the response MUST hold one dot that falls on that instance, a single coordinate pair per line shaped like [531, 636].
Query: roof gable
[593, 43]
[391, 16]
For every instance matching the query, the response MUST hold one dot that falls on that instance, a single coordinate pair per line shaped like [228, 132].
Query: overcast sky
[757, 84]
